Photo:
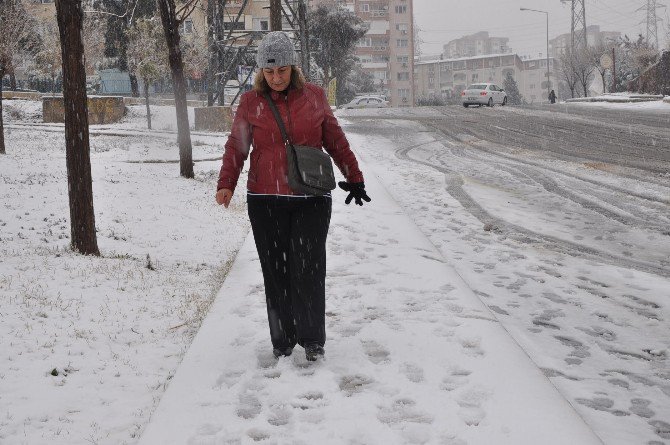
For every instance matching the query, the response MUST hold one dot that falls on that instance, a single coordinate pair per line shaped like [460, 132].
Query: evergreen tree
[119, 21]
[512, 89]
[334, 32]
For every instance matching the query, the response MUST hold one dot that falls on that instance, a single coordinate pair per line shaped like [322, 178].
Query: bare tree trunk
[77, 149]
[171, 29]
[2, 124]
[211, 44]
[146, 97]
[12, 80]
[275, 15]
[134, 86]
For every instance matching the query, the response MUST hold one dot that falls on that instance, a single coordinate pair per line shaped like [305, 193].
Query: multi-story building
[594, 36]
[446, 78]
[387, 50]
[533, 85]
[476, 45]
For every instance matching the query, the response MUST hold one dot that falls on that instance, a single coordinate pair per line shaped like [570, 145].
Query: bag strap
[278, 118]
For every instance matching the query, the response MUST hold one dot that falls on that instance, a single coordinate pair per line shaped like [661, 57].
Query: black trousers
[290, 235]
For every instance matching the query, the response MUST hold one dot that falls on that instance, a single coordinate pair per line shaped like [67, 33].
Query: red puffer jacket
[308, 120]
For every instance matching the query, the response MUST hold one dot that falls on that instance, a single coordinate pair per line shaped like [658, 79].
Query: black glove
[356, 191]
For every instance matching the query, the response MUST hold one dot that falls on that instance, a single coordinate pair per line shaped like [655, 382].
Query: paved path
[412, 356]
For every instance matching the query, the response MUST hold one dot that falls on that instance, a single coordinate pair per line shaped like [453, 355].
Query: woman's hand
[356, 191]
[224, 196]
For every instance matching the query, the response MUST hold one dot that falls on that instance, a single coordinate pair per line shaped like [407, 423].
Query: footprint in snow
[456, 379]
[579, 351]
[376, 353]
[249, 406]
[403, 410]
[279, 415]
[641, 408]
[470, 404]
[554, 298]
[353, 384]
[643, 302]
[257, 434]
[598, 332]
[412, 371]
[472, 346]
[661, 428]
[242, 310]
[229, 379]
[349, 330]
[308, 400]
[266, 359]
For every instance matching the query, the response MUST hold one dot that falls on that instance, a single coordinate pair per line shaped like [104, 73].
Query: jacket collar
[292, 93]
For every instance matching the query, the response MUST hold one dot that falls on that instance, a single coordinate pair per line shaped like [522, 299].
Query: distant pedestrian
[552, 97]
[289, 228]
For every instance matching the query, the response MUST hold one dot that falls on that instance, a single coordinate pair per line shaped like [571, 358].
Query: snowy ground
[114, 329]
[88, 344]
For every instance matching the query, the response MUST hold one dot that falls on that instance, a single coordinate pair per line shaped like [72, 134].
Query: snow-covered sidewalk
[412, 356]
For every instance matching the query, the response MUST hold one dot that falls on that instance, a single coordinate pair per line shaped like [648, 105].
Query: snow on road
[576, 288]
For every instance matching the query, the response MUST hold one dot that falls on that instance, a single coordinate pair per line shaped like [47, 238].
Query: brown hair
[297, 80]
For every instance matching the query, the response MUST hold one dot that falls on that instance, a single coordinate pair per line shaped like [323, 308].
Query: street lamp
[547, 14]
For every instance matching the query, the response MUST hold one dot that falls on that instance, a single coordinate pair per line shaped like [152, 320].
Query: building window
[233, 25]
[380, 75]
[187, 26]
[401, 9]
[403, 92]
[401, 43]
[365, 7]
[261, 24]
[402, 59]
[402, 27]
[46, 1]
[365, 42]
[475, 77]
[404, 75]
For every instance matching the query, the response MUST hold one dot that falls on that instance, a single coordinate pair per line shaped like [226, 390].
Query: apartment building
[594, 37]
[446, 78]
[477, 44]
[387, 49]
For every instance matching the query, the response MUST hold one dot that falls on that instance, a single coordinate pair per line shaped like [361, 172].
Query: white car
[483, 94]
[366, 102]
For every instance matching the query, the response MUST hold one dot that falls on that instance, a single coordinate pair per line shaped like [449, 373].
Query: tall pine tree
[510, 86]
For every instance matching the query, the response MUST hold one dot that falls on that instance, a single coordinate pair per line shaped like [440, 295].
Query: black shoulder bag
[310, 170]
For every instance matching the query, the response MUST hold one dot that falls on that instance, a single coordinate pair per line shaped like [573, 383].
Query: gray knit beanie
[276, 49]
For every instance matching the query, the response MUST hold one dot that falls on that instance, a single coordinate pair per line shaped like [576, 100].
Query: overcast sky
[443, 20]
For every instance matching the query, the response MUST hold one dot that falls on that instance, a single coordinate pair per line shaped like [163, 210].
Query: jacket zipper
[288, 118]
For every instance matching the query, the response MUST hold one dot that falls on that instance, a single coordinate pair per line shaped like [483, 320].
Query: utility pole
[652, 22]
[275, 15]
[547, 74]
[578, 26]
[304, 38]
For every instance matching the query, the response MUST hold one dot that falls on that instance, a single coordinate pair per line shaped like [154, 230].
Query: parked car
[366, 102]
[483, 94]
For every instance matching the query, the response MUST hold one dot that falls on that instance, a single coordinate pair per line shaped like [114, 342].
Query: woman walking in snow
[290, 229]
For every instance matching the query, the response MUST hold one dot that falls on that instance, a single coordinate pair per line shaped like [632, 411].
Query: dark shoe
[312, 352]
[279, 352]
